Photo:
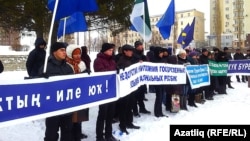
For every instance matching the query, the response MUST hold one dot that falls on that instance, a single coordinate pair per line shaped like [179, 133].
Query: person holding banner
[159, 89]
[204, 60]
[74, 60]
[1, 67]
[222, 80]
[105, 62]
[239, 56]
[140, 92]
[192, 58]
[57, 66]
[182, 59]
[126, 103]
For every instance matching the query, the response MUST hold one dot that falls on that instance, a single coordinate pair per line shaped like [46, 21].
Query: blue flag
[167, 20]
[190, 34]
[187, 35]
[74, 23]
[183, 35]
[68, 7]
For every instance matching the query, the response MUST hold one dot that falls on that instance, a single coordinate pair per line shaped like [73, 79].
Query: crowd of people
[67, 59]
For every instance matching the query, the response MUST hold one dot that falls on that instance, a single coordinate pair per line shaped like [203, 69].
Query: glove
[117, 70]
[87, 71]
[45, 75]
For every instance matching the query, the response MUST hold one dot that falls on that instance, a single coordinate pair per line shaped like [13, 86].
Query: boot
[183, 102]
[197, 98]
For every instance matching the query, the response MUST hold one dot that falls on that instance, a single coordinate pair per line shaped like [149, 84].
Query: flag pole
[50, 35]
[144, 28]
[64, 28]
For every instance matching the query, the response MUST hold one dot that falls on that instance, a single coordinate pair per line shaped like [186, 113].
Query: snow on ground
[225, 109]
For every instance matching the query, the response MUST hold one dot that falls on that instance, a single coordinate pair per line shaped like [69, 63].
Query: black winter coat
[35, 60]
[1, 67]
[55, 67]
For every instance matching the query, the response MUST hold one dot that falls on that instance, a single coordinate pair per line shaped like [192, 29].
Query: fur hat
[70, 48]
[57, 45]
[106, 46]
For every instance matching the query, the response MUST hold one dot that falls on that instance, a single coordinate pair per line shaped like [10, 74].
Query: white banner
[149, 73]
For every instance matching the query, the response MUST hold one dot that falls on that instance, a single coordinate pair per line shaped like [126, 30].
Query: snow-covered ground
[224, 109]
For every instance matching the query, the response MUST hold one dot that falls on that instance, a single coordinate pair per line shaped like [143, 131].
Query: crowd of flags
[72, 19]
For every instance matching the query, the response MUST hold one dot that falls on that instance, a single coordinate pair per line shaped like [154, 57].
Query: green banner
[218, 68]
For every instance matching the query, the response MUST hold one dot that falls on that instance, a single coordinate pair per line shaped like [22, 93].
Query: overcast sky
[157, 7]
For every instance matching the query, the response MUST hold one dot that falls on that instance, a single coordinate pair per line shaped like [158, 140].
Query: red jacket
[104, 63]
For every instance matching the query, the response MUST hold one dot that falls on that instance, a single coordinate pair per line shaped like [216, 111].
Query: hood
[39, 41]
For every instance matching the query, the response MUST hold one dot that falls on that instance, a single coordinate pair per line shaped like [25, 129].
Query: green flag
[140, 20]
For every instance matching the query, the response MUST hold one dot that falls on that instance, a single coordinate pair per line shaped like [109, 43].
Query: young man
[57, 66]
[36, 58]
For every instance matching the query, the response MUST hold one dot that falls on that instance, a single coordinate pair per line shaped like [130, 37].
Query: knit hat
[57, 45]
[106, 46]
[193, 53]
[70, 48]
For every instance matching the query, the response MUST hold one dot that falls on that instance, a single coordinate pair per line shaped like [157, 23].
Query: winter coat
[85, 57]
[203, 59]
[138, 55]
[239, 56]
[78, 67]
[104, 62]
[1, 67]
[222, 57]
[36, 58]
[150, 53]
[156, 58]
[55, 67]
[247, 56]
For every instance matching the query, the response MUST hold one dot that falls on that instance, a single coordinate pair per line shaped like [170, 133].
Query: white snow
[224, 109]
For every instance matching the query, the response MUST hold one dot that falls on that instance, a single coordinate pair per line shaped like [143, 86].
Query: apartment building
[182, 19]
[229, 20]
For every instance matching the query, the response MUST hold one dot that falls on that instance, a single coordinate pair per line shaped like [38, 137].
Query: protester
[105, 62]
[159, 89]
[36, 58]
[229, 57]
[182, 59]
[74, 60]
[222, 80]
[140, 92]
[204, 60]
[85, 57]
[126, 103]
[192, 58]
[239, 56]
[1, 67]
[57, 66]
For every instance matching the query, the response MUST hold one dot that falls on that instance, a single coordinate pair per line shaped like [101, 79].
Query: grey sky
[157, 7]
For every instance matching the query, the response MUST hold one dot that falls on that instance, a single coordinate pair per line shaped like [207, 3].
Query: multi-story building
[229, 20]
[182, 19]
